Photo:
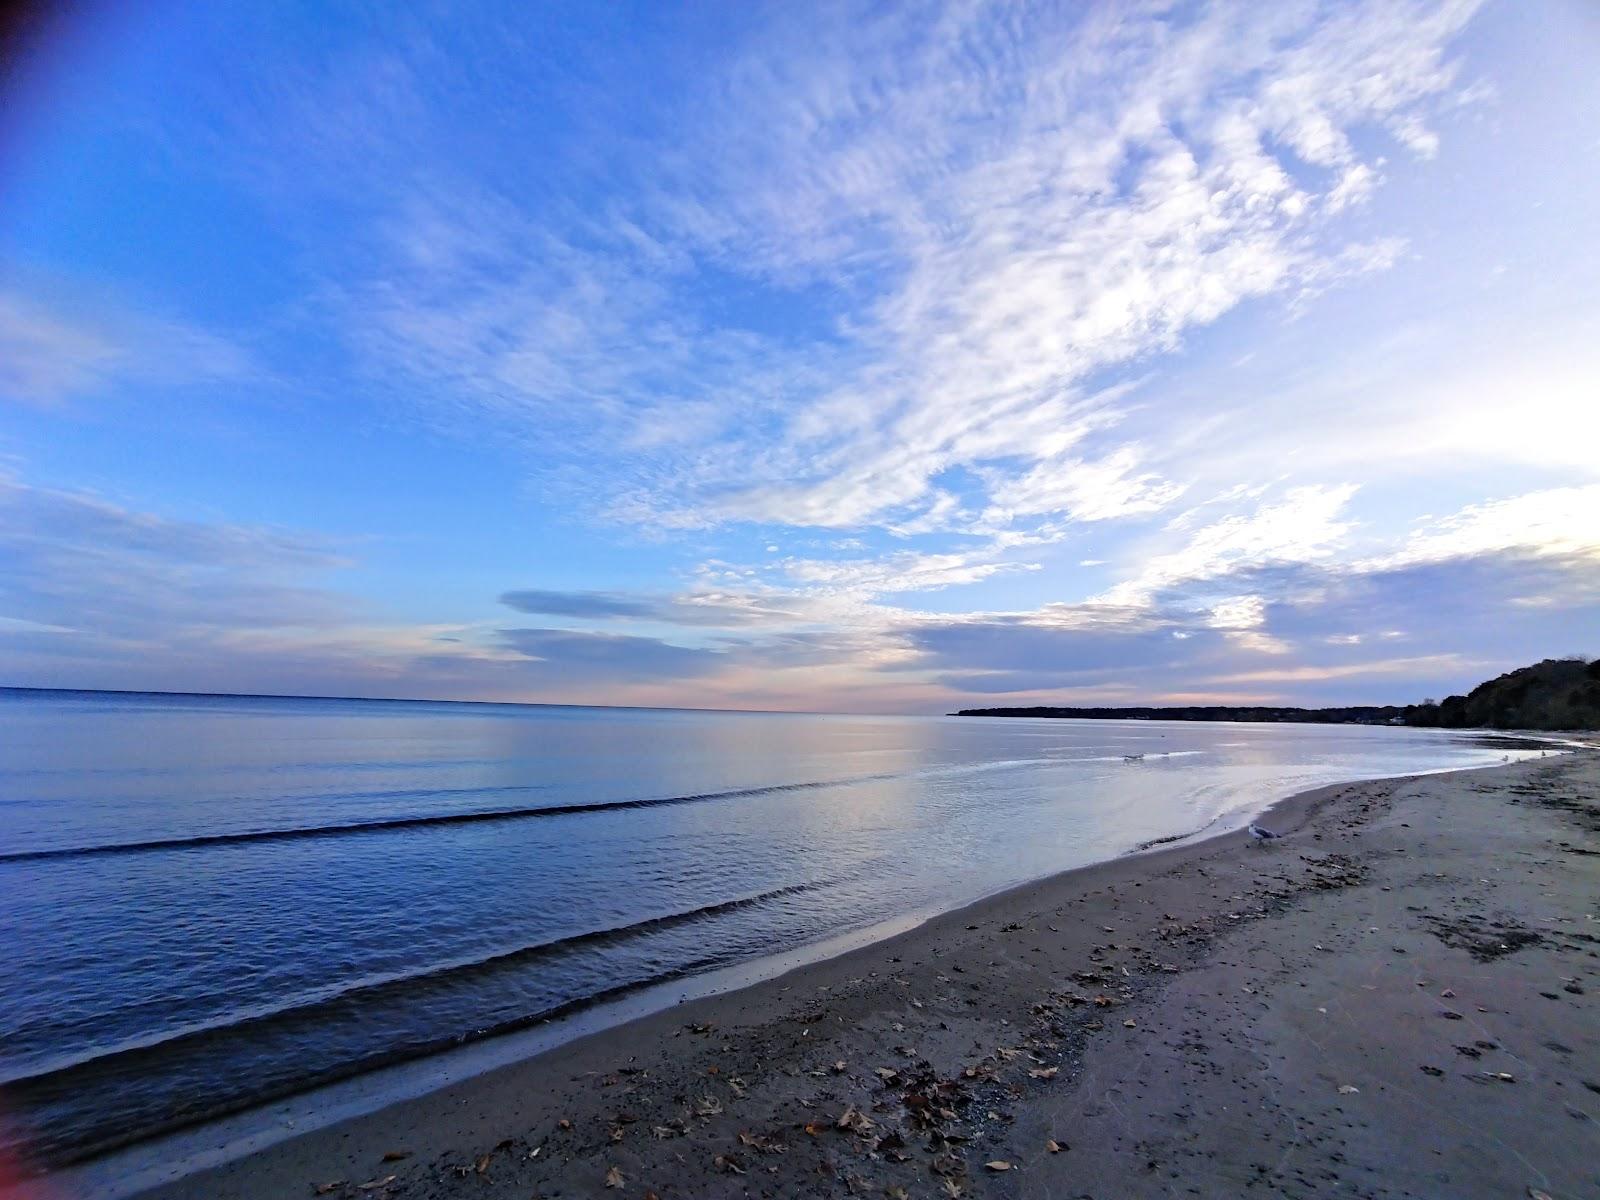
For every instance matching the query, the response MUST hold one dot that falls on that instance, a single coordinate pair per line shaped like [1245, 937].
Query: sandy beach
[1398, 998]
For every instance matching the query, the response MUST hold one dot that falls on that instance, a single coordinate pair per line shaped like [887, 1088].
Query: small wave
[422, 820]
[289, 833]
[364, 991]
[53, 1148]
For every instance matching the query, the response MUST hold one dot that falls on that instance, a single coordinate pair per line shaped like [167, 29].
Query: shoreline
[239, 1131]
[147, 1164]
[286, 1150]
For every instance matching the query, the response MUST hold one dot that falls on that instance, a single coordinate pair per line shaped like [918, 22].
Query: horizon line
[663, 707]
[8, 687]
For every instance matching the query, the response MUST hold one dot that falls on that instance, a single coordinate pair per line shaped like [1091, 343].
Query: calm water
[208, 901]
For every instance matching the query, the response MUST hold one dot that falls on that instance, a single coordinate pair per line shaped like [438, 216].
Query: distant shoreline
[1558, 694]
[1352, 715]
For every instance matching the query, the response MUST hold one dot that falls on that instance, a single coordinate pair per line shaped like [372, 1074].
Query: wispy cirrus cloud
[54, 352]
[703, 608]
[1306, 524]
[83, 563]
[962, 220]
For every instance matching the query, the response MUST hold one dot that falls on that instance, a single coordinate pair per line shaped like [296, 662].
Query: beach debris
[373, 1185]
[1043, 1072]
[395, 1155]
[998, 1164]
[1535, 1194]
[482, 1165]
[887, 1074]
[616, 1133]
[839, 1067]
[324, 1189]
[1449, 1014]
[563, 1124]
[1053, 1146]
[708, 1106]
[759, 1142]
[1447, 994]
[1348, 1089]
[615, 1178]
[897, 1193]
[893, 1147]
[854, 1120]
[1502, 1076]
[728, 1163]
[951, 1186]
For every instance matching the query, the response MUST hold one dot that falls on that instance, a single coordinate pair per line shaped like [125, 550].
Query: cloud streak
[716, 609]
[997, 212]
[50, 354]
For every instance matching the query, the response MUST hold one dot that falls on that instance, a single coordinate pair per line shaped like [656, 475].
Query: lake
[207, 902]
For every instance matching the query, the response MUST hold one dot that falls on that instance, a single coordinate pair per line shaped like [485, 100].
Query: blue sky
[879, 358]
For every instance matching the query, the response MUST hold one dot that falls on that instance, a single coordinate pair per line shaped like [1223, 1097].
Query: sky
[877, 358]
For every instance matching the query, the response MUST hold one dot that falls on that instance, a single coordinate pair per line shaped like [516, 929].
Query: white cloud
[1354, 186]
[45, 359]
[1559, 521]
[905, 571]
[1100, 490]
[996, 209]
[1306, 525]
[51, 353]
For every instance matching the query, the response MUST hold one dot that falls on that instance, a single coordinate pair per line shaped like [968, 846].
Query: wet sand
[1401, 997]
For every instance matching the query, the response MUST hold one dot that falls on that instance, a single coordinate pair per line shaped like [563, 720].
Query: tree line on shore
[1556, 694]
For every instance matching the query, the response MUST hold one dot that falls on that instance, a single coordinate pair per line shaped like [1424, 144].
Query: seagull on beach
[1259, 835]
